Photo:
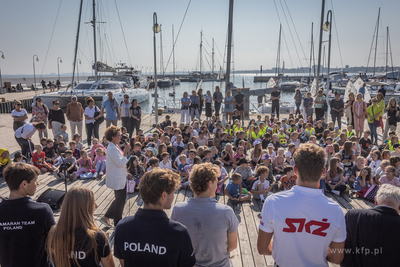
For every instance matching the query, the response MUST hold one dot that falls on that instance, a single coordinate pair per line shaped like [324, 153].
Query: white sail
[357, 85]
[349, 88]
[314, 87]
[271, 83]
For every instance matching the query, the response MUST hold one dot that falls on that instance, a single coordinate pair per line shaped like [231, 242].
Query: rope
[123, 34]
[179, 31]
[51, 38]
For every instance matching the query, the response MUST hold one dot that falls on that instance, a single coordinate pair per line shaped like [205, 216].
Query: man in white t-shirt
[308, 229]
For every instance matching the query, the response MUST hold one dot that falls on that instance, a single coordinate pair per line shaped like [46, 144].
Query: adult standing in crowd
[75, 115]
[275, 96]
[392, 114]
[201, 100]
[56, 117]
[298, 97]
[382, 90]
[168, 241]
[319, 104]
[381, 104]
[124, 112]
[337, 107]
[217, 97]
[19, 115]
[288, 217]
[135, 112]
[359, 110]
[373, 112]
[75, 239]
[24, 134]
[217, 236]
[92, 119]
[25, 223]
[349, 109]
[362, 90]
[40, 112]
[112, 111]
[228, 106]
[239, 102]
[308, 103]
[194, 105]
[380, 246]
[208, 99]
[116, 175]
[185, 115]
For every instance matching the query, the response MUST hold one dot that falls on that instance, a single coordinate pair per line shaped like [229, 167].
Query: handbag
[377, 123]
[97, 113]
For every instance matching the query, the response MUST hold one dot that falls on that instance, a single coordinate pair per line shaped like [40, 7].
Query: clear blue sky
[26, 28]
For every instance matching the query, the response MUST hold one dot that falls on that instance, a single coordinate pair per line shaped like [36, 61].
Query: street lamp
[77, 71]
[59, 60]
[34, 74]
[1, 80]
[327, 26]
[156, 29]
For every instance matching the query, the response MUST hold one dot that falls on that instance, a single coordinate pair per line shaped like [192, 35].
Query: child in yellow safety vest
[256, 134]
[236, 126]
[392, 141]
[350, 132]
[228, 130]
[250, 132]
[309, 130]
[263, 128]
[282, 137]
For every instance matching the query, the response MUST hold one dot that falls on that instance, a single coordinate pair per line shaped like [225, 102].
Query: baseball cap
[270, 145]
[256, 142]
[336, 128]
[265, 156]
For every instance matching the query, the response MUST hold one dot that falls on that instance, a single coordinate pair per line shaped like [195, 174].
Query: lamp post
[156, 29]
[34, 74]
[328, 27]
[1, 80]
[59, 60]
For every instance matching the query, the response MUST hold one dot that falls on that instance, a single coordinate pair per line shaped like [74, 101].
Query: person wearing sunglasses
[19, 115]
[56, 117]
[40, 112]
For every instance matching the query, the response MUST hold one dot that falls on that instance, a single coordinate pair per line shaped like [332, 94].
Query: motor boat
[165, 82]
[288, 84]
[98, 91]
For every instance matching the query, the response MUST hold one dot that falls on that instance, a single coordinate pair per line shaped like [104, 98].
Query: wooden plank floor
[247, 213]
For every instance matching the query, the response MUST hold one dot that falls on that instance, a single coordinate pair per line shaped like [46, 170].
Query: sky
[32, 27]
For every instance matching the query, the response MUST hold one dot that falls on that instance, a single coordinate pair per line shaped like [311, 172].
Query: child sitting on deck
[334, 177]
[224, 176]
[234, 190]
[85, 166]
[39, 160]
[260, 188]
[5, 160]
[289, 179]
[99, 162]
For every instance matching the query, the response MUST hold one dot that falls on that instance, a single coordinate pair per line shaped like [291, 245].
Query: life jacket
[349, 134]
[282, 139]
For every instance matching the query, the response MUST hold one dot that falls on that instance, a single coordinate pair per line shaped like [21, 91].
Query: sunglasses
[18, 104]
[56, 103]
[38, 100]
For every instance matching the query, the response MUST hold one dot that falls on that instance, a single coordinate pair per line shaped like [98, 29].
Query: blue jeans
[298, 108]
[101, 166]
[374, 134]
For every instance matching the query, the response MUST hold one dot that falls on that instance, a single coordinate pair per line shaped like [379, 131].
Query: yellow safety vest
[256, 136]
[391, 146]
[237, 129]
[312, 131]
[229, 132]
[349, 134]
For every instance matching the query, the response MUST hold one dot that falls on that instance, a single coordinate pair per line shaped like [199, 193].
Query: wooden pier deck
[246, 254]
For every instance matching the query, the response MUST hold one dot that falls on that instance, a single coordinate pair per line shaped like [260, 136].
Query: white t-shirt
[90, 113]
[167, 165]
[176, 144]
[272, 156]
[25, 131]
[288, 154]
[19, 114]
[374, 165]
[173, 139]
[263, 186]
[304, 223]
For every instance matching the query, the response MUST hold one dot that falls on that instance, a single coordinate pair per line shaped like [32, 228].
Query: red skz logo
[321, 226]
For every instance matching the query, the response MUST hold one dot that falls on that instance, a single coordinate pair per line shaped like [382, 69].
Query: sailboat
[122, 81]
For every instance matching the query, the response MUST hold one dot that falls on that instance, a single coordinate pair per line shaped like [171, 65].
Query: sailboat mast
[376, 40]
[320, 41]
[311, 48]
[278, 57]
[228, 59]
[387, 48]
[76, 45]
[161, 54]
[94, 39]
[201, 50]
[173, 58]
[212, 54]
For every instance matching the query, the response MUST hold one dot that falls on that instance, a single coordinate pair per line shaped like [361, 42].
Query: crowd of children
[260, 154]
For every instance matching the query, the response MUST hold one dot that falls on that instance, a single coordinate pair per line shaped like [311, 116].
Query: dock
[248, 214]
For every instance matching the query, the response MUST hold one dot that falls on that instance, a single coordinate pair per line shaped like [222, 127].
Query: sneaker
[105, 221]
[95, 175]
[89, 147]
[61, 175]
[73, 176]
[101, 174]
[336, 192]
[57, 175]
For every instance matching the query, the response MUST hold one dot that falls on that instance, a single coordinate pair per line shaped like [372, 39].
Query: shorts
[240, 108]
[237, 195]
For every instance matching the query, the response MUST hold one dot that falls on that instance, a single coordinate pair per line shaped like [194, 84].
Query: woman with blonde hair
[359, 110]
[349, 109]
[392, 110]
[75, 240]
